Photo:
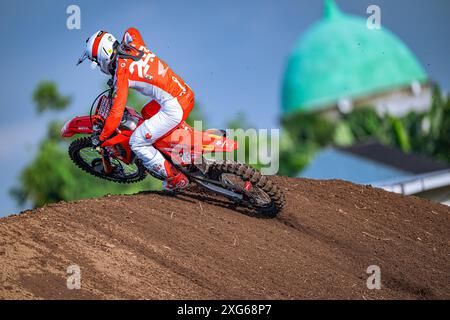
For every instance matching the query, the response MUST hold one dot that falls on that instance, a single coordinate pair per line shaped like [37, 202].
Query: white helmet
[100, 50]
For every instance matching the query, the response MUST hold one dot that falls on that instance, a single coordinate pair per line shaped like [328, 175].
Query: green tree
[241, 127]
[51, 176]
[423, 133]
[47, 97]
[302, 137]
[439, 126]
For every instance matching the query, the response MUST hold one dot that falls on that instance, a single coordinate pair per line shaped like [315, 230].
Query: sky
[231, 53]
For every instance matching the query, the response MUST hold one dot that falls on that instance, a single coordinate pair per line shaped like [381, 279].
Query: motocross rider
[133, 65]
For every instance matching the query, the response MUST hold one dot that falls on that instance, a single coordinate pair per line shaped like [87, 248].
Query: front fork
[107, 167]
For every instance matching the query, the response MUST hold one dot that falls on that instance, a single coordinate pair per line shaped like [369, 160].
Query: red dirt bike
[183, 147]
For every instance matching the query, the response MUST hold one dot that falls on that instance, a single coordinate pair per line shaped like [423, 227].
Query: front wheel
[256, 190]
[89, 160]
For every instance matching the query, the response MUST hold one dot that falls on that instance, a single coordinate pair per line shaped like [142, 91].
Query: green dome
[339, 57]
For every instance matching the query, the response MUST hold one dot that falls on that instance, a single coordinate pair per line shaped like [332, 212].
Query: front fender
[77, 125]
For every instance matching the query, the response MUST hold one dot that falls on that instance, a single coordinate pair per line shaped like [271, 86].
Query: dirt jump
[198, 246]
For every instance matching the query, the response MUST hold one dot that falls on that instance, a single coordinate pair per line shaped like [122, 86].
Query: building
[340, 64]
[383, 167]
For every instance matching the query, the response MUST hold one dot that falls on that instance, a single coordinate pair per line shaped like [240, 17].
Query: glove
[95, 140]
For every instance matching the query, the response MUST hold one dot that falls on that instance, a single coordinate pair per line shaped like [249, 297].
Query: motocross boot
[175, 180]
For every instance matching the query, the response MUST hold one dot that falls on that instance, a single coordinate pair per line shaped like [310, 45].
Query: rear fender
[77, 125]
[216, 143]
[197, 141]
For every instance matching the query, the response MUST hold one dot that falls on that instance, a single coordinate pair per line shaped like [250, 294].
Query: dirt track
[195, 246]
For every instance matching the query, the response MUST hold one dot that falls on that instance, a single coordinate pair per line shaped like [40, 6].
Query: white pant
[167, 118]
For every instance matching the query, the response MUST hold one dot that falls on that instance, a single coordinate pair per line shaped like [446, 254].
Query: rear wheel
[89, 160]
[257, 191]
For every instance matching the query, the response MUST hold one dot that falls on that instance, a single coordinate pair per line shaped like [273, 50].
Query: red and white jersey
[151, 76]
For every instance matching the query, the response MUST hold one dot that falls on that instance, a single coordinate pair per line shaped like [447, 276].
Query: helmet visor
[83, 57]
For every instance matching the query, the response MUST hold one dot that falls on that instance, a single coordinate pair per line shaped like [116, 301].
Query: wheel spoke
[257, 195]
[258, 191]
[91, 156]
[90, 160]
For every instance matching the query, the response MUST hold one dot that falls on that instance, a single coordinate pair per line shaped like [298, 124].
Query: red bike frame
[183, 145]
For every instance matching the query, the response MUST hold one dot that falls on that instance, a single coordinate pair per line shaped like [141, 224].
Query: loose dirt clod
[198, 246]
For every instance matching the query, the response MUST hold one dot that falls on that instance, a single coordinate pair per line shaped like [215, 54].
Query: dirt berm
[195, 246]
